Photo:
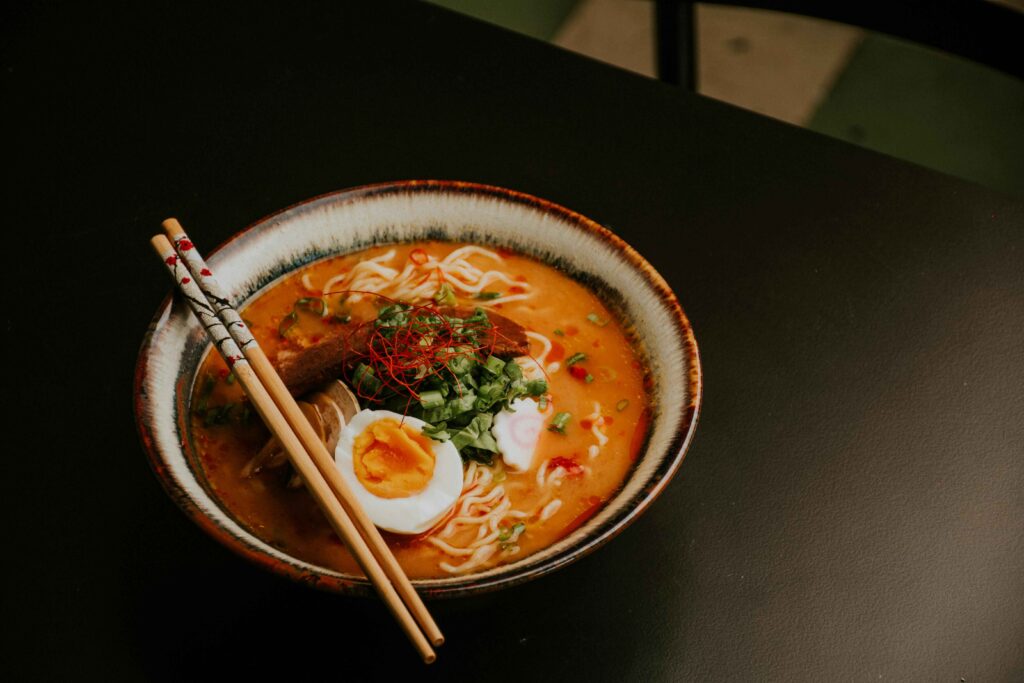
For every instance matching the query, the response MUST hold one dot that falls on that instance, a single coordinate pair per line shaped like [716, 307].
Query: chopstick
[250, 348]
[316, 475]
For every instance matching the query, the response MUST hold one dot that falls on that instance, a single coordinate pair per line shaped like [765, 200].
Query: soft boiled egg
[517, 433]
[405, 481]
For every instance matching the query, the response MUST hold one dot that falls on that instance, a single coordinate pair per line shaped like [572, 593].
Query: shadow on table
[195, 611]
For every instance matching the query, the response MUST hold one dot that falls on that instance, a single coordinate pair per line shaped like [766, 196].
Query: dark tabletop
[852, 507]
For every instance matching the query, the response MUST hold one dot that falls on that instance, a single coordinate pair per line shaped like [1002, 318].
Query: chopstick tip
[161, 244]
[172, 227]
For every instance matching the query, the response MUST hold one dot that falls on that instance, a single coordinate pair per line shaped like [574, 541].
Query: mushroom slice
[272, 455]
[338, 392]
[337, 405]
[328, 410]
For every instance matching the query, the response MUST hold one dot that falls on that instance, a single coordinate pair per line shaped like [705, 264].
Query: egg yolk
[392, 460]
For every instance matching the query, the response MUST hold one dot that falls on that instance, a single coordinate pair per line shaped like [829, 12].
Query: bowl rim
[660, 478]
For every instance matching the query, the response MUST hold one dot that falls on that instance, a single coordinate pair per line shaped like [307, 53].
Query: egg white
[416, 513]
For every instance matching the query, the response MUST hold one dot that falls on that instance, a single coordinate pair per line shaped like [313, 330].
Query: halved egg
[405, 481]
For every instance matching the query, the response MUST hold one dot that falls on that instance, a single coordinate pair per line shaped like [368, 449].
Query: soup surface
[585, 380]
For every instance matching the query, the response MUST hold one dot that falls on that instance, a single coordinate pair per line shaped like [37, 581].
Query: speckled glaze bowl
[354, 219]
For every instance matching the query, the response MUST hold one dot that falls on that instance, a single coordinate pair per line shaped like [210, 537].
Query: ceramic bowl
[354, 219]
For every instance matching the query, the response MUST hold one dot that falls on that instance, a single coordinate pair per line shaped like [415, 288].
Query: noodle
[422, 280]
[500, 511]
[550, 509]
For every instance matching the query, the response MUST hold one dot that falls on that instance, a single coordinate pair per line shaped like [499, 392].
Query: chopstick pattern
[202, 309]
[211, 288]
[282, 415]
[297, 421]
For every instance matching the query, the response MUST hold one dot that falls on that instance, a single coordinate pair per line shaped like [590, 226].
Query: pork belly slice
[304, 369]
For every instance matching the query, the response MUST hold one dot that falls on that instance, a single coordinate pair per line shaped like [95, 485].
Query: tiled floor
[897, 98]
[777, 64]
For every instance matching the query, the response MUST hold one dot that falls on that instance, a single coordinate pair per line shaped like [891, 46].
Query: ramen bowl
[400, 212]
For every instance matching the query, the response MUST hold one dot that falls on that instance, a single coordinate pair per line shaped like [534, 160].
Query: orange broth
[288, 518]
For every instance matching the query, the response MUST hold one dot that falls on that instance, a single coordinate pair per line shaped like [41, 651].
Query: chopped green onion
[218, 415]
[287, 323]
[559, 421]
[559, 332]
[542, 404]
[431, 399]
[508, 537]
[209, 382]
[462, 404]
[622, 405]
[494, 365]
[363, 378]
[445, 295]
[486, 296]
[536, 387]
[438, 432]
[576, 358]
[596, 319]
[589, 378]
[230, 379]
[513, 371]
[460, 365]
[311, 304]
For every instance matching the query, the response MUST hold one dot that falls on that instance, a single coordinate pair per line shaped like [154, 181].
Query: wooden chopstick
[311, 474]
[204, 277]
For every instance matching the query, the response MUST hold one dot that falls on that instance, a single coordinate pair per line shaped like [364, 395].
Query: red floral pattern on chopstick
[211, 288]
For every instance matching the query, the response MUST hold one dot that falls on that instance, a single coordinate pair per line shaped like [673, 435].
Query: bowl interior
[351, 220]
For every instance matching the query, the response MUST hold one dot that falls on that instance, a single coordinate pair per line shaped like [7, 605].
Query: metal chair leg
[676, 42]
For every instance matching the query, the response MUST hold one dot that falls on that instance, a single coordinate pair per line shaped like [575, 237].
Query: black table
[852, 507]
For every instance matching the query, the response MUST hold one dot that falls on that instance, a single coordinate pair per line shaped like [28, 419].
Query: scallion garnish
[513, 371]
[559, 332]
[445, 295]
[363, 379]
[494, 365]
[287, 323]
[437, 368]
[576, 358]
[559, 421]
[589, 378]
[230, 379]
[311, 304]
[486, 296]
[536, 387]
[622, 405]
[596, 319]
[209, 382]
[431, 399]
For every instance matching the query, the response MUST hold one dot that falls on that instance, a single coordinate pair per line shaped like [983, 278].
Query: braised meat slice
[306, 368]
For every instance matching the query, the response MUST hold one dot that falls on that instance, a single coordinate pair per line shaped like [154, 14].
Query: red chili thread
[408, 355]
